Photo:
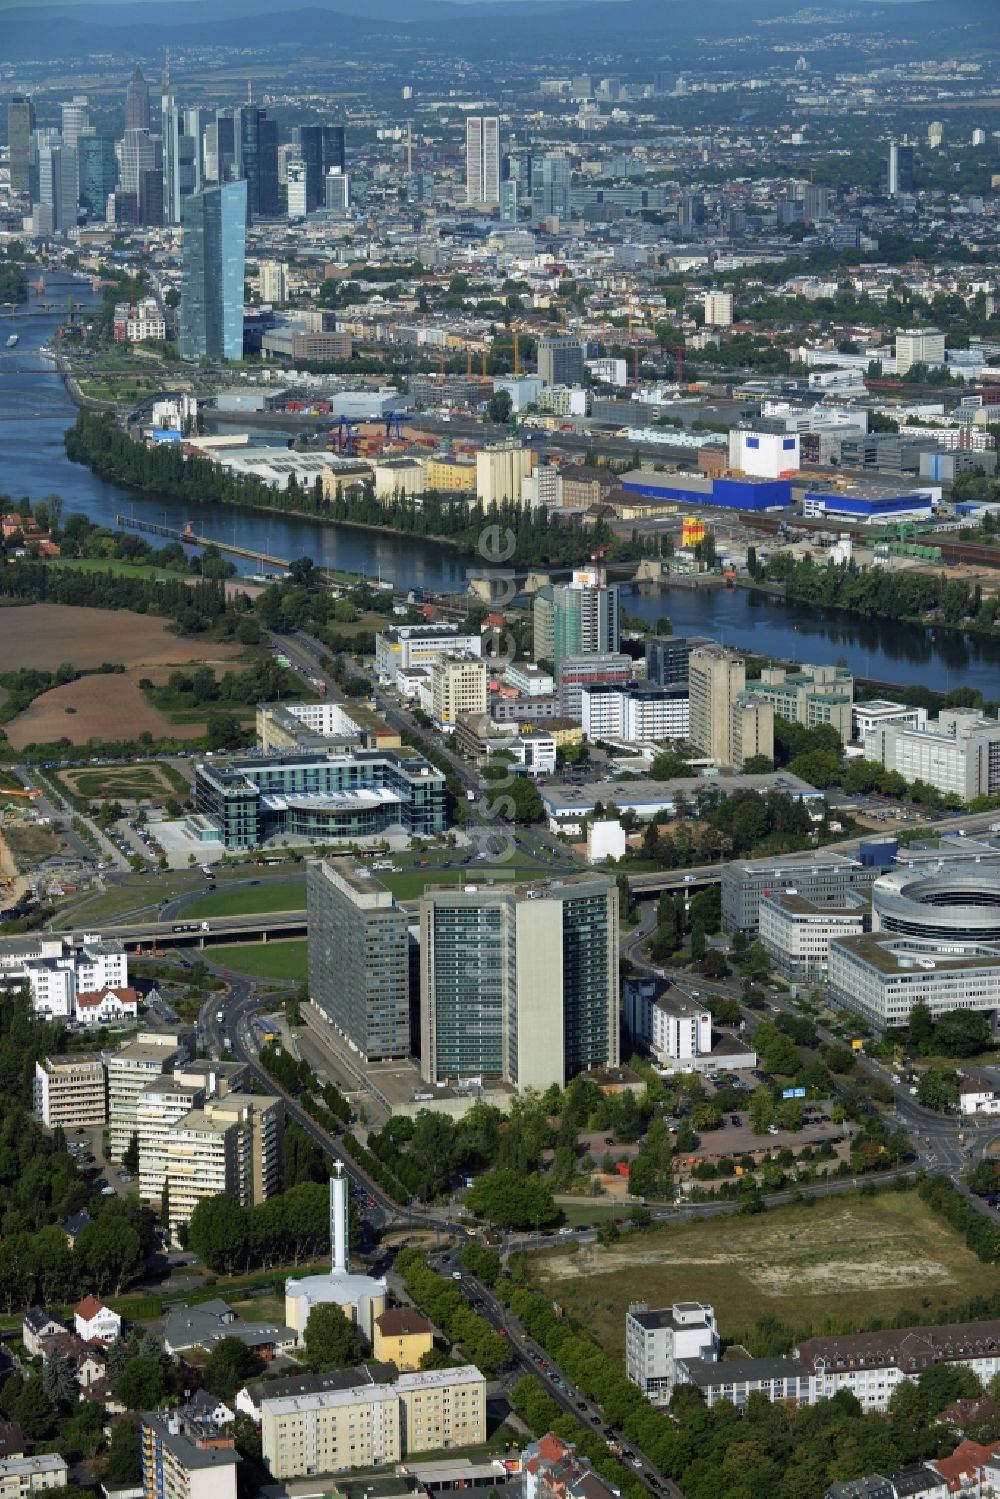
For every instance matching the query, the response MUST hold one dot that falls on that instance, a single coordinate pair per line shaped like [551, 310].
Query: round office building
[943, 904]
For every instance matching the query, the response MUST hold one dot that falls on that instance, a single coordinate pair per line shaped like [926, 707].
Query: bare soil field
[44, 635]
[110, 708]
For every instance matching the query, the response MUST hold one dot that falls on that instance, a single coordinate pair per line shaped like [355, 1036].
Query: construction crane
[598, 560]
[347, 441]
[394, 424]
[468, 364]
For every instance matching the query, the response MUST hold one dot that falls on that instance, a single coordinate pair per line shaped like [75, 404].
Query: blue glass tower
[211, 322]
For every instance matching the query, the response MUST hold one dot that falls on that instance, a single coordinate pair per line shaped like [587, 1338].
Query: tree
[58, 1381]
[757, 765]
[761, 1110]
[217, 1232]
[109, 1251]
[938, 1089]
[499, 406]
[34, 1411]
[124, 1454]
[714, 965]
[920, 1027]
[130, 1158]
[961, 1033]
[230, 1364]
[331, 1338]
[142, 1384]
[511, 1200]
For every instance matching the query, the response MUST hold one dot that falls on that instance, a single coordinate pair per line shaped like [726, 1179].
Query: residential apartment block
[457, 684]
[810, 696]
[655, 1341]
[727, 723]
[22, 1476]
[230, 1146]
[130, 1070]
[637, 713]
[371, 1425]
[186, 1456]
[70, 1091]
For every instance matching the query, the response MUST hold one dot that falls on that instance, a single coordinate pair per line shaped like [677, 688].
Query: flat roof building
[70, 1092]
[185, 1456]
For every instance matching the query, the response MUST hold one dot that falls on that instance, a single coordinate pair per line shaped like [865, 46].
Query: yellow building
[692, 531]
[451, 475]
[402, 1337]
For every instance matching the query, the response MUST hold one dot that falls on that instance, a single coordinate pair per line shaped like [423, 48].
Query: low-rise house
[553, 1469]
[977, 1096]
[964, 1471]
[203, 1326]
[966, 1415]
[107, 1006]
[20, 1476]
[38, 1327]
[96, 1322]
[402, 1336]
[74, 1226]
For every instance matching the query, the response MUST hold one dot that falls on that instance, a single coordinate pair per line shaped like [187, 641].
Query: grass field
[842, 1258]
[30, 843]
[242, 900]
[122, 569]
[266, 960]
[145, 781]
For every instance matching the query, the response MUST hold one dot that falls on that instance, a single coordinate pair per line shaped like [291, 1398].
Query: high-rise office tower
[897, 169]
[550, 190]
[75, 120]
[137, 101]
[298, 194]
[194, 126]
[213, 262]
[338, 191]
[560, 361]
[20, 124]
[180, 158]
[322, 149]
[519, 982]
[58, 185]
[149, 197]
[256, 144]
[98, 174]
[137, 154]
[359, 964]
[577, 618]
[508, 201]
[482, 159]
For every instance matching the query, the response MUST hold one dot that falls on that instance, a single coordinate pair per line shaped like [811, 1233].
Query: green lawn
[266, 960]
[244, 900]
[835, 1262]
[121, 569]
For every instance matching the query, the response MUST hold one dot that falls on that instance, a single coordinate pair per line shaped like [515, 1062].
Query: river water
[35, 411]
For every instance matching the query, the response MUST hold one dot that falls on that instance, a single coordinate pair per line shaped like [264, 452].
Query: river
[35, 410]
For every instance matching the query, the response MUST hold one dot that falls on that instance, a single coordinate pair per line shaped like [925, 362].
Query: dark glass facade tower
[211, 321]
[98, 173]
[20, 124]
[322, 147]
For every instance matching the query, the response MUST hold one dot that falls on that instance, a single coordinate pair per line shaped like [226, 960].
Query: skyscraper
[482, 159]
[256, 143]
[75, 120]
[137, 155]
[58, 185]
[20, 124]
[519, 982]
[577, 618]
[180, 156]
[560, 361]
[214, 253]
[359, 962]
[897, 169]
[98, 174]
[550, 190]
[137, 101]
[298, 196]
[322, 149]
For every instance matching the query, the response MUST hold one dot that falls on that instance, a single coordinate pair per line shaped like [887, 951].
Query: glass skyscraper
[98, 173]
[211, 322]
[20, 124]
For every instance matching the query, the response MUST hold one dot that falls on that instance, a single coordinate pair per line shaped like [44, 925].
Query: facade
[871, 1364]
[214, 252]
[561, 361]
[130, 1070]
[598, 668]
[70, 1091]
[639, 713]
[920, 346]
[667, 658]
[418, 645]
[373, 1425]
[796, 932]
[763, 455]
[458, 684]
[727, 724]
[882, 977]
[20, 124]
[159, 1108]
[338, 795]
[957, 754]
[482, 160]
[519, 982]
[822, 877]
[655, 1341]
[98, 168]
[718, 306]
[232, 1146]
[402, 1337]
[671, 1025]
[185, 1456]
[811, 695]
[501, 468]
[359, 958]
[576, 618]
[21, 1476]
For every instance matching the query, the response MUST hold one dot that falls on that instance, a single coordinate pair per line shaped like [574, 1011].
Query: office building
[457, 685]
[919, 346]
[338, 192]
[371, 1425]
[230, 1146]
[359, 958]
[70, 1091]
[256, 160]
[501, 468]
[561, 360]
[75, 120]
[137, 101]
[58, 184]
[810, 695]
[360, 1297]
[211, 312]
[595, 669]
[727, 724]
[315, 796]
[482, 160]
[98, 168]
[672, 1026]
[638, 713]
[20, 125]
[656, 1340]
[137, 154]
[824, 878]
[322, 150]
[297, 188]
[273, 281]
[131, 1069]
[181, 158]
[667, 658]
[551, 185]
[577, 618]
[796, 932]
[408, 646]
[958, 753]
[897, 169]
[520, 982]
[718, 306]
[185, 1455]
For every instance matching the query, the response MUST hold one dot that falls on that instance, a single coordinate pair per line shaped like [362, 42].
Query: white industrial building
[764, 455]
[407, 646]
[877, 712]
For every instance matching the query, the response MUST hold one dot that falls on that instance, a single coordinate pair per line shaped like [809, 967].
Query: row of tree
[443, 1302]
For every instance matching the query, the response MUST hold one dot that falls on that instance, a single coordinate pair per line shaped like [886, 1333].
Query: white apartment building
[457, 684]
[53, 989]
[958, 753]
[534, 749]
[922, 346]
[130, 1069]
[159, 1109]
[373, 1425]
[21, 1476]
[408, 646]
[718, 307]
[867, 717]
[146, 321]
[70, 1091]
[655, 1341]
[57, 975]
[529, 680]
[872, 1364]
[797, 932]
[674, 1027]
[638, 713]
[273, 277]
[231, 1146]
